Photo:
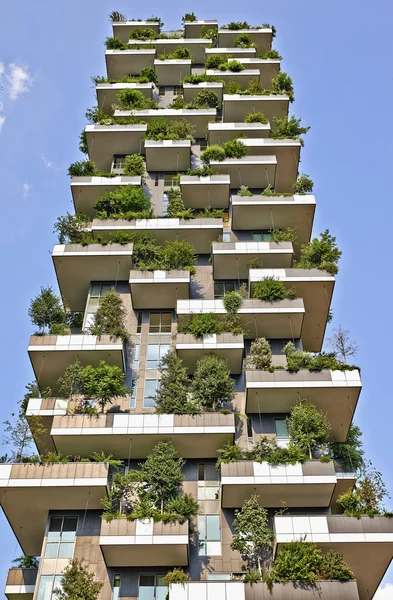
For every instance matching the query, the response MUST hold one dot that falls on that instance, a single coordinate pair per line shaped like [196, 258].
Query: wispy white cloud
[48, 163]
[385, 592]
[2, 69]
[26, 189]
[19, 80]
[2, 121]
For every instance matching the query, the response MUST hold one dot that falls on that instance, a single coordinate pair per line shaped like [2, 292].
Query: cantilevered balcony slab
[107, 93]
[191, 90]
[274, 320]
[227, 346]
[198, 192]
[237, 590]
[196, 46]
[20, 584]
[121, 63]
[198, 232]
[268, 212]
[231, 53]
[144, 543]
[104, 141]
[316, 289]
[335, 393]
[172, 71]
[29, 491]
[86, 190]
[168, 155]
[50, 355]
[230, 259]
[287, 153]
[198, 436]
[365, 543]
[243, 78]
[308, 484]
[261, 37]
[193, 29]
[76, 266]
[252, 171]
[236, 107]
[123, 29]
[219, 133]
[268, 69]
[158, 289]
[199, 118]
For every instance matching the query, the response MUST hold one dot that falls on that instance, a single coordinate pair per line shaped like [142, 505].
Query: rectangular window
[152, 587]
[261, 236]
[118, 163]
[155, 353]
[61, 537]
[219, 576]
[160, 322]
[116, 586]
[226, 236]
[281, 428]
[135, 360]
[208, 482]
[48, 583]
[149, 395]
[222, 287]
[97, 290]
[133, 394]
[139, 322]
[209, 535]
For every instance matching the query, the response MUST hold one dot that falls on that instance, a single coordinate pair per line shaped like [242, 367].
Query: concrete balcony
[262, 38]
[104, 141]
[243, 78]
[198, 232]
[20, 584]
[266, 212]
[252, 171]
[122, 29]
[168, 155]
[86, 190]
[287, 153]
[198, 436]
[192, 29]
[191, 90]
[172, 71]
[278, 320]
[219, 133]
[333, 392]
[308, 484]
[143, 543]
[198, 192]
[227, 346]
[29, 491]
[230, 259]
[268, 69]
[76, 266]
[237, 106]
[237, 590]
[196, 46]
[231, 53]
[199, 118]
[366, 544]
[316, 289]
[121, 63]
[107, 93]
[158, 289]
[50, 355]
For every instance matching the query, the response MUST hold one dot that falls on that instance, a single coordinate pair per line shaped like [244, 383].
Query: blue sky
[339, 57]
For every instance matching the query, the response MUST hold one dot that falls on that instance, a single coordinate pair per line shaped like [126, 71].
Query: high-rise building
[196, 308]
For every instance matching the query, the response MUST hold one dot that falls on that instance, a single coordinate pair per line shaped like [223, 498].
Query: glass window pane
[164, 349]
[166, 319]
[146, 580]
[257, 236]
[150, 393]
[154, 323]
[45, 587]
[161, 592]
[281, 428]
[95, 289]
[55, 523]
[218, 289]
[211, 492]
[51, 550]
[93, 302]
[201, 472]
[106, 287]
[201, 492]
[70, 523]
[213, 527]
[56, 585]
[201, 527]
[229, 286]
[66, 550]
[213, 548]
[152, 358]
[211, 473]
[219, 576]
[226, 236]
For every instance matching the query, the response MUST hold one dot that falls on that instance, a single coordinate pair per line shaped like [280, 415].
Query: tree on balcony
[173, 395]
[308, 428]
[26, 562]
[78, 582]
[124, 202]
[212, 385]
[109, 319]
[320, 253]
[46, 309]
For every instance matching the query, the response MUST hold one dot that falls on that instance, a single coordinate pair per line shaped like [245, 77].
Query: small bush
[270, 54]
[179, 54]
[201, 78]
[232, 87]
[214, 61]
[244, 191]
[176, 575]
[243, 41]
[233, 65]
[260, 355]
[271, 290]
[123, 199]
[148, 74]
[146, 33]
[82, 168]
[203, 324]
[283, 235]
[214, 152]
[113, 43]
[190, 17]
[229, 453]
[256, 118]
[288, 128]
[206, 99]
[236, 25]
[232, 302]
[320, 253]
[234, 149]
[134, 100]
[282, 84]
[304, 185]
[254, 88]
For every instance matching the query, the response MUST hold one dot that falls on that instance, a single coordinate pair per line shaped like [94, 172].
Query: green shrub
[177, 575]
[26, 562]
[201, 78]
[206, 99]
[83, 143]
[243, 41]
[210, 34]
[123, 199]
[212, 384]
[320, 253]
[149, 74]
[176, 208]
[303, 185]
[190, 17]
[109, 319]
[184, 505]
[350, 453]
[308, 427]
[178, 103]
[203, 324]
[179, 54]
[232, 302]
[244, 191]
[254, 88]
[160, 129]
[252, 577]
[283, 235]
[232, 65]
[146, 33]
[81, 168]
[113, 43]
[232, 87]
[271, 289]
[173, 395]
[178, 255]
[214, 152]
[229, 453]
[236, 25]
[256, 118]
[234, 149]
[214, 61]
[282, 84]
[260, 355]
[70, 229]
[134, 165]
[201, 171]
[134, 100]
[270, 54]
[288, 128]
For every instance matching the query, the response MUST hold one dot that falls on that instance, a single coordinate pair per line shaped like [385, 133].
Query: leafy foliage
[232, 302]
[368, 495]
[283, 235]
[46, 309]
[134, 100]
[232, 87]
[26, 562]
[134, 165]
[234, 149]
[303, 185]
[260, 355]
[176, 208]
[83, 143]
[308, 427]
[70, 228]
[104, 383]
[243, 41]
[236, 25]
[147, 256]
[160, 128]
[206, 99]
[173, 395]
[82, 168]
[270, 54]
[195, 79]
[78, 582]
[232, 65]
[123, 200]
[282, 84]
[257, 117]
[143, 33]
[179, 54]
[201, 171]
[190, 17]
[320, 253]
[244, 191]
[177, 575]
[214, 61]
[213, 153]
[110, 317]
[271, 290]
[116, 16]
[113, 43]
[203, 324]
[212, 384]
[298, 359]
[288, 128]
